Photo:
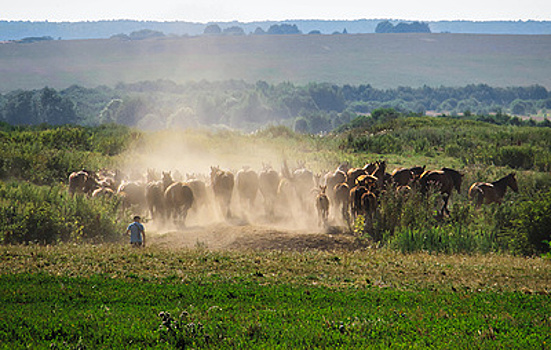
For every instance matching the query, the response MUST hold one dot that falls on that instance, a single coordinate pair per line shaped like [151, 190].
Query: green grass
[111, 297]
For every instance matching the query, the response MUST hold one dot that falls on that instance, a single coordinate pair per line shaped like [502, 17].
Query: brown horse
[268, 183]
[486, 193]
[155, 198]
[83, 181]
[342, 200]
[356, 194]
[445, 181]
[354, 173]
[368, 208]
[246, 182]
[222, 186]
[322, 205]
[380, 173]
[200, 194]
[132, 194]
[179, 199]
[405, 176]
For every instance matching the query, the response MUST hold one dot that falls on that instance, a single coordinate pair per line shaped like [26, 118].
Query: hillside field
[382, 60]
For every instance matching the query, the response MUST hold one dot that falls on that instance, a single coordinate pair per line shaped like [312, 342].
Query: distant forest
[312, 108]
[19, 30]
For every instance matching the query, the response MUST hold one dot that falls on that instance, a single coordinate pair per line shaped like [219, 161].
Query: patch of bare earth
[224, 236]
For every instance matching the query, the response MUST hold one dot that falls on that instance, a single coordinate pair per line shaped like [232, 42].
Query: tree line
[16, 30]
[311, 108]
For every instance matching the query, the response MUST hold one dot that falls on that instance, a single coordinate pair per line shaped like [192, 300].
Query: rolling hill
[382, 60]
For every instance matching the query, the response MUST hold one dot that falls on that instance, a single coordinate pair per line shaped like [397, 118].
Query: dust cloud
[190, 154]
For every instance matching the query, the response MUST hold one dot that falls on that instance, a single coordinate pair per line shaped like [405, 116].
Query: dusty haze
[190, 154]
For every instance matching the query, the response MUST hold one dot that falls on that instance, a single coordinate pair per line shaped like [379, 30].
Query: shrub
[532, 223]
[46, 215]
[518, 157]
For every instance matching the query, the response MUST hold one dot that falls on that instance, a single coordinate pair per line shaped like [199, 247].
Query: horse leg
[445, 206]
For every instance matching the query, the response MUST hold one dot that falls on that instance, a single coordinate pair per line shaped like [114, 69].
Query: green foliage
[388, 131]
[47, 155]
[47, 215]
[164, 104]
[531, 224]
[519, 157]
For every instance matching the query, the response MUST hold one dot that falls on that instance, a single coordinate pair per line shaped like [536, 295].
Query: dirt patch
[222, 236]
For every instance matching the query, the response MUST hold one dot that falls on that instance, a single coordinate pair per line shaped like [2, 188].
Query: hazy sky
[252, 10]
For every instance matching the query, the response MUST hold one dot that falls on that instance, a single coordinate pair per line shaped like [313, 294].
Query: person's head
[137, 218]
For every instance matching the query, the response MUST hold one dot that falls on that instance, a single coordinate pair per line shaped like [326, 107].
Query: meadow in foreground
[113, 296]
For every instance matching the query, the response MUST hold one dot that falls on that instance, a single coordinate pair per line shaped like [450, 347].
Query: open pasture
[382, 60]
[107, 296]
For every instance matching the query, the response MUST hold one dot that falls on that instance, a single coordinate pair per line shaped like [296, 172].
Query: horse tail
[476, 194]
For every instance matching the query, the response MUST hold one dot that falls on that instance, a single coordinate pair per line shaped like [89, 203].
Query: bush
[46, 215]
[532, 224]
[517, 157]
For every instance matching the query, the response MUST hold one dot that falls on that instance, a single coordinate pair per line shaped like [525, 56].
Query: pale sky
[256, 10]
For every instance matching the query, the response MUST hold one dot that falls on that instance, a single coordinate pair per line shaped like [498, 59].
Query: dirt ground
[245, 236]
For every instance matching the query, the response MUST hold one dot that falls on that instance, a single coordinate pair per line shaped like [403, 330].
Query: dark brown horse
[368, 208]
[155, 198]
[406, 176]
[179, 199]
[268, 183]
[222, 186]
[356, 194]
[444, 181]
[132, 194]
[246, 182]
[379, 172]
[492, 192]
[354, 173]
[342, 200]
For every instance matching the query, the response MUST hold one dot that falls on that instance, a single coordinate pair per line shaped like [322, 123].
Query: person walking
[137, 233]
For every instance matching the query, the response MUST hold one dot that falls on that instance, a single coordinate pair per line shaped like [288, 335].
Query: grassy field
[384, 61]
[246, 285]
[68, 297]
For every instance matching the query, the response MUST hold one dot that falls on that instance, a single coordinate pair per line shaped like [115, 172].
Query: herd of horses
[347, 191]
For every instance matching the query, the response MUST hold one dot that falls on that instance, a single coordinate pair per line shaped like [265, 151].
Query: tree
[402, 27]
[212, 29]
[110, 111]
[131, 112]
[145, 34]
[259, 31]
[384, 27]
[235, 30]
[21, 109]
[301, 125]
[283, 29]
[327, 97]
[518, 107]
[120, 36]
[55, 109]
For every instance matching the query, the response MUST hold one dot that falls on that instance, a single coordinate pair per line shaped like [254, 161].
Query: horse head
[512, 182]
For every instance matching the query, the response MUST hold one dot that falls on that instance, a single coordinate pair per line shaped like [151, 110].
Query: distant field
[382, 60]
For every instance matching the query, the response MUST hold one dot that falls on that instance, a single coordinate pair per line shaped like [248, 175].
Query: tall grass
[47, 214]
[410, 221]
